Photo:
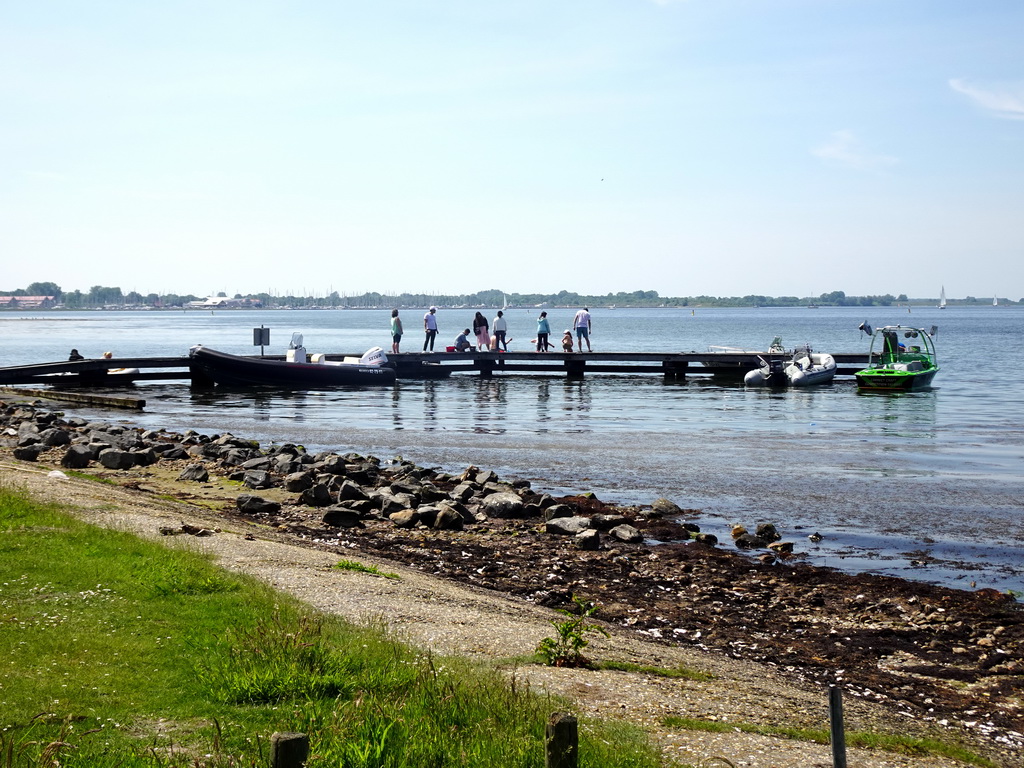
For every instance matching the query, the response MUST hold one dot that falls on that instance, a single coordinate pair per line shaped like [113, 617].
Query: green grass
[373, 570]
[905, 745]
[119, 652]
[89, 476]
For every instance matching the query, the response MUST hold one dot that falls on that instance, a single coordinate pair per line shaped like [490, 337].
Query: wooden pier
[411, 365]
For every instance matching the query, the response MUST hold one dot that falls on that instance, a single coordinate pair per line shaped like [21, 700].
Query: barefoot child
[567, 342]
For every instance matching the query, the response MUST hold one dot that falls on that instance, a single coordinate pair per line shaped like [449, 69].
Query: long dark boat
[237, 371]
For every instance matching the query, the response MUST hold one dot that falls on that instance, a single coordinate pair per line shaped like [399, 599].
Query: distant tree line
[112, 297]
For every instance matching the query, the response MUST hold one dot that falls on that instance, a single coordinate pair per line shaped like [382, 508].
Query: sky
[691, 147]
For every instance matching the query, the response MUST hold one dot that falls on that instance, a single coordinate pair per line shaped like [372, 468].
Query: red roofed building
[26, 302]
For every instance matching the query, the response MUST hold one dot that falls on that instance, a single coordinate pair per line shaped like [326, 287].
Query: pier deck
[104, 373]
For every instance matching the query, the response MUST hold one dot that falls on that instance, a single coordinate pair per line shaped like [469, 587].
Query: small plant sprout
[566, 648]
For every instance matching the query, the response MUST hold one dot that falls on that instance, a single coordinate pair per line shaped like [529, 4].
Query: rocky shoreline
[949, 656]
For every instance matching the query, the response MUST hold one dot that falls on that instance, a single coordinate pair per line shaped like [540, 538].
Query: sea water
[924, 485]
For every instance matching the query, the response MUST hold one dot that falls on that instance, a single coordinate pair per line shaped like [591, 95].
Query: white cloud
[845, 148]
[1006, 101]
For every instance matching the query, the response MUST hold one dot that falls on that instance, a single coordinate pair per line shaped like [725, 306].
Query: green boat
[901, 359]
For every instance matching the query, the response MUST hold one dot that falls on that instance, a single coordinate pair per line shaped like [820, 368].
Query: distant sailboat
[995, 301]
[942, 298]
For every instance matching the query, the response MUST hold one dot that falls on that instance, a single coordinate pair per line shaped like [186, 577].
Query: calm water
[890, 480]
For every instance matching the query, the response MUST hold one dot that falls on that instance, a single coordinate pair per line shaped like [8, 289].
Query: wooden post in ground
[835, 720]
[562, 741]
[289, 750]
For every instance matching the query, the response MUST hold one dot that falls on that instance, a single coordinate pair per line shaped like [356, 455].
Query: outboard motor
[776, 374]
[296, 352]
[374, 356]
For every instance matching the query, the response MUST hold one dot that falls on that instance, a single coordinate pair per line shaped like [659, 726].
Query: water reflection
[577, 405]
[491, 406]
[543, 404]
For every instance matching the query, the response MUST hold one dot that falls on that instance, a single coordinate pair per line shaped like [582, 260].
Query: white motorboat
[804, 368]
[808, 368]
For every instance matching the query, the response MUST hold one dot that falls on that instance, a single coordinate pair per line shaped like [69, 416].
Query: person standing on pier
[482, 332]
[396, 330]
[583, 324]
[543, 330]
[500, 328]
[430, 328]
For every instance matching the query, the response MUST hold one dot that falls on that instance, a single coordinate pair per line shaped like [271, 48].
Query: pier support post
[486, 367]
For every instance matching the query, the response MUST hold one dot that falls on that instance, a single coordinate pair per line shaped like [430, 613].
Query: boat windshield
[901, 344]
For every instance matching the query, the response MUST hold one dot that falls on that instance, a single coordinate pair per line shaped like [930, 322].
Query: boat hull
[237, 371]
[895, 381]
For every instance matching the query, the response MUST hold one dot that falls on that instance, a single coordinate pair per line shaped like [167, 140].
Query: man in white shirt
[583, 325]
[500, 327]
[430, 328]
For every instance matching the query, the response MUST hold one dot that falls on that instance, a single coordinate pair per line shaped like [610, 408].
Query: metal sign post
[260, 338]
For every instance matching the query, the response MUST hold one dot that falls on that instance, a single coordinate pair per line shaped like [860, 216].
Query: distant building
[27, 302]
[214, 302]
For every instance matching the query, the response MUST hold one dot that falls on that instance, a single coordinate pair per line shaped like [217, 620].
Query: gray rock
[405, 486]
[113, 458]
[485, 477]
[589, 539]
[707, 539]
[342, 517]
[259, 463]
[349, 491]
[768, 532]
[567, 526]
[463, 492]
[29, 452]
[333, 464]
[257, 479]
[98, 448]
[626, 533]
[448, 519]
[406, 518]
[606, 522]
[503, 505]
[297, 482]
[53, 436]
[28, 430]
[145, 457]
[196, 473]
[428, 514]
[76, 457]
[558, 510]
[318, 495]
[665, 508]
[749, 541]
[237, 456]
[430, 493]
[256, 505]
